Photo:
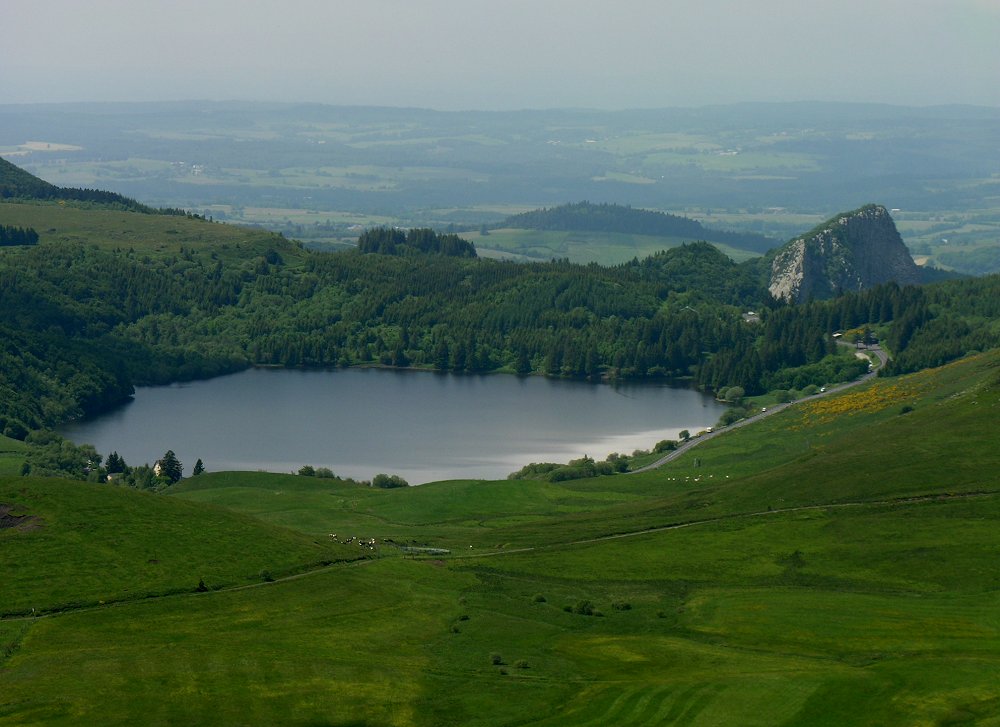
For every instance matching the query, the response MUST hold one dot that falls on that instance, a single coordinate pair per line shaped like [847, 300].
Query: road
[874, 349]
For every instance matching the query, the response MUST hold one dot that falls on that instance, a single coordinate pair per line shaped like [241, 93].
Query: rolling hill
[588, 217]
[831, 564]
[826, 566]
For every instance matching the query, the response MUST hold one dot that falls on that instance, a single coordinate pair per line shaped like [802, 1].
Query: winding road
[873, 349]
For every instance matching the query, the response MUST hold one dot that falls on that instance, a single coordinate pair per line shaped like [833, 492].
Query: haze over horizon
[453, 55]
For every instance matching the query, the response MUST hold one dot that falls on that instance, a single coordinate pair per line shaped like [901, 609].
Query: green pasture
[833, 564]
[733, 161]
[695, 627]
[87, 544]
[628, 145]
[64, 171]
[962, 241]
[12, 454]
[153, 235]
[829, 450]
[604, 248]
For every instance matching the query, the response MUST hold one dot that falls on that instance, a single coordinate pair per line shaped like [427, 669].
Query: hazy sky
[502, 54]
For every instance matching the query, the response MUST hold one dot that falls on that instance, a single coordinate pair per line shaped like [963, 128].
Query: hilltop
[850, 252]
[17, 184]
[614, 218]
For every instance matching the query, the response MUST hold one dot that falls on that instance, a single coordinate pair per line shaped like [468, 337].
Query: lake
[420, 425]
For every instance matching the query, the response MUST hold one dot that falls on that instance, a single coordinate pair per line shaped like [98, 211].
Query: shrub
[533, 471]
[307, 471]
[732, 415]
[734, 394]
[584, 608]
[538, 598]
[621, 606]
[496, 659]
[386, 482]
[576, 469]
[618, 462]
[521, 664]
[665, 445]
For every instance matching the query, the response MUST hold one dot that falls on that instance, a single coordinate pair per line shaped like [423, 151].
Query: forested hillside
[109, 299]
[15, 183]
[389, 241]
[588, 217]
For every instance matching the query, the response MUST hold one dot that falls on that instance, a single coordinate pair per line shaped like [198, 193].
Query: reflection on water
[359, 422]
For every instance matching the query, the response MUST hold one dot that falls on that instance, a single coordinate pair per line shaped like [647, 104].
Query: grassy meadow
[604, 248]
[11, 455]
[832, 564]
[157, 236]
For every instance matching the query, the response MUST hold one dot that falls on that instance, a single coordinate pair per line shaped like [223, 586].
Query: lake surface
[420, 425]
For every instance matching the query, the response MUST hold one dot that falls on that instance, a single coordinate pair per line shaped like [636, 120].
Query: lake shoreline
[360, 421]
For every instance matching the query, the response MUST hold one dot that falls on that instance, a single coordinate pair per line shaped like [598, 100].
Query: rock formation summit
[852, 251]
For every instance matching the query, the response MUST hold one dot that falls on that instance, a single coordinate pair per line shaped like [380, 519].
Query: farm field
[314, 173]
[826, 565]
[582, 247]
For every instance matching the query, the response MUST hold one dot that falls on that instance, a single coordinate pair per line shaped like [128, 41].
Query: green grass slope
[924, 434]
[80, 544]
[154, 235]
[19, 184]
[604, 248]
[831, 565]
[12, 454]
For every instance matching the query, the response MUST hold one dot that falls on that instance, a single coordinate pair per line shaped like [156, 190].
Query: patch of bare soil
[19, 522]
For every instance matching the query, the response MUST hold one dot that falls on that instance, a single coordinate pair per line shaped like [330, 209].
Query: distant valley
[822, 554]
[321, 173]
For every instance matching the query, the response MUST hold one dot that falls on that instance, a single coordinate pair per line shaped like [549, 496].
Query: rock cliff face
[852, 251]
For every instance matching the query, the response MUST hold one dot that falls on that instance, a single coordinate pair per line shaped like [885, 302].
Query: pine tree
[170, 467]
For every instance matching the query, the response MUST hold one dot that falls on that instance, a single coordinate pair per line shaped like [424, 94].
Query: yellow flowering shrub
[871, 399]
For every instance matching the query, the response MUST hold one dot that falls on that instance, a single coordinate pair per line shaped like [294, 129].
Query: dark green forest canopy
[589, 217]
[15, 183]
[10, 236]
[392, 241]
[81, 324]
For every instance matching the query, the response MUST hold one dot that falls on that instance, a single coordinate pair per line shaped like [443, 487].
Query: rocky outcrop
[852, 251]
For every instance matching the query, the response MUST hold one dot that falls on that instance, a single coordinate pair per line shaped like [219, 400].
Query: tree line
[393, 241]
[80, 326]
[590, 217]
[11, 236]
